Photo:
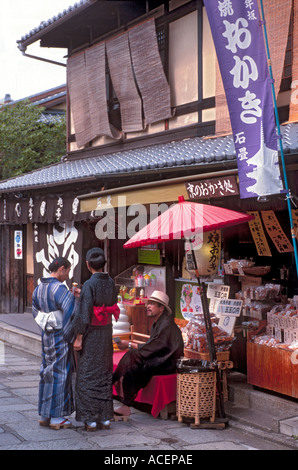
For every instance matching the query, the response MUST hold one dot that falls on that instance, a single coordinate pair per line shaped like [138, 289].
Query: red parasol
[184, 220]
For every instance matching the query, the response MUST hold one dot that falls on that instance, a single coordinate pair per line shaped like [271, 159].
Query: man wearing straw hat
[158, 356]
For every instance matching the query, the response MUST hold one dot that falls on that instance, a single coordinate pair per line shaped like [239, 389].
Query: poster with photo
[189, 300]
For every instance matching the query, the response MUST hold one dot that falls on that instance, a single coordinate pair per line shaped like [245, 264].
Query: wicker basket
[196, 396]
[257, 270]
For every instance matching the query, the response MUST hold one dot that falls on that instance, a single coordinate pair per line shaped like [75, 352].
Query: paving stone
[19, 428]
[223, 445]
[17, 407]
[23, 383]
[63, 444]
[123, 440]
[7, 439]
[289, 426]
[24, 392]
[10, 417]
[34, 432]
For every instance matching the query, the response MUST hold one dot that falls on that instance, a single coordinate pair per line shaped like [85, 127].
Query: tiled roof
[47, 100]
[181, 154]
[50, 21]
[44, 97]
[52, 116]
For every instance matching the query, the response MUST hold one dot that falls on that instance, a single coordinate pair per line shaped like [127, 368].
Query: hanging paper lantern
[208, 256]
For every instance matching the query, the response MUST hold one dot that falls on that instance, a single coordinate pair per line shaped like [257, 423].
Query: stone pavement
[19, 428]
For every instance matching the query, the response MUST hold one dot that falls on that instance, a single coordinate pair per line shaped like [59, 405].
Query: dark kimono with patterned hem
[158, 356]
[93, 391]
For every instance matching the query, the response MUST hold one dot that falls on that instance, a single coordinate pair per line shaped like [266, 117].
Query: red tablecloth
[160, 391]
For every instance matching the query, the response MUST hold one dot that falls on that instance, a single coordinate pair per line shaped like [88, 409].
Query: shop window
[188, 59]
[284, 96]
[208, 58]
[287, 70]
[173, 4]
[183, 59]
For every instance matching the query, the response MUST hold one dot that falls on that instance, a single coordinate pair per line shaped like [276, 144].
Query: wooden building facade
[146, 113]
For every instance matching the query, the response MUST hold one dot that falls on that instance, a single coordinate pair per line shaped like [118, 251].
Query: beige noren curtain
[120, 66]
[149, 72]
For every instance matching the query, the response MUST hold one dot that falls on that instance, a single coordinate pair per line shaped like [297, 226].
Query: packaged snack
[195, 337]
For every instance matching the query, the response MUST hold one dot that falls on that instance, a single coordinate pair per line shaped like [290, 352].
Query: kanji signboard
[258, 235]
[216, 187]
[276, 233]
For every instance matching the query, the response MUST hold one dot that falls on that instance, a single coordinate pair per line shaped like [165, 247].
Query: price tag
[229, 307]
[228, 269]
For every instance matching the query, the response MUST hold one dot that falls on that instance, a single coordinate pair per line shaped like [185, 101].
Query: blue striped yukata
[55, 387]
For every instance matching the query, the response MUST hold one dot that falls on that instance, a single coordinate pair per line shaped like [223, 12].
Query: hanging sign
[276, 233]
[215, 293]
[208, 256]
[229, 307]
[148, 256]
[295, 221]
[18, 244]
[218, 291]
[258, 235]
[239, 43]
[227, 323]
[217, 187]
[228, 310]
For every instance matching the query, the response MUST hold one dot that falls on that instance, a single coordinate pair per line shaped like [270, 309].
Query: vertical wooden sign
[258, 235]
[276, 233]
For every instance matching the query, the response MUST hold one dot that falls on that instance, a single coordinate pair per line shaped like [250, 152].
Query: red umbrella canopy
[184, 220]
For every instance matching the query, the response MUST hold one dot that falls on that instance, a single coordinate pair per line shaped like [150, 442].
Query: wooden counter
[272, 369]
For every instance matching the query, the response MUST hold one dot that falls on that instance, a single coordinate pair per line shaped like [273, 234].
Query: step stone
[262, 409]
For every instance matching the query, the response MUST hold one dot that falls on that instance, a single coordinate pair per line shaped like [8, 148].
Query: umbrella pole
[210, 338]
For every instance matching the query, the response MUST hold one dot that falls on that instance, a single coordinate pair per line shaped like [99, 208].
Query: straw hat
[162, 298]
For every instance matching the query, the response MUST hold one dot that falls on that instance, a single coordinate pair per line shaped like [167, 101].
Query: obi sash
[49, 321]
[103, 315]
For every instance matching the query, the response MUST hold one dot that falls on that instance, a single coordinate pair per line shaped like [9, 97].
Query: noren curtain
[86, 78]
[138, 78]
[149, 72]
[122, 77]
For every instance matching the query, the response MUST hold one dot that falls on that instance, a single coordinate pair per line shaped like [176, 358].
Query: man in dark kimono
[158, 356]
[94, 346]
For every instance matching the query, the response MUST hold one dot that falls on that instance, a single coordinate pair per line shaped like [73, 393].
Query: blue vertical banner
[239, 42]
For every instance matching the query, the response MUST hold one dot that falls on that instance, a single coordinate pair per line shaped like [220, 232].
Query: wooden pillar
[11, 273]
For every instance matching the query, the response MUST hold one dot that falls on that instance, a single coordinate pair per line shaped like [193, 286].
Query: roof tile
[185, 153]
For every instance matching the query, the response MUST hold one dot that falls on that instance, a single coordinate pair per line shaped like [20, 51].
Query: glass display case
[137, 283]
